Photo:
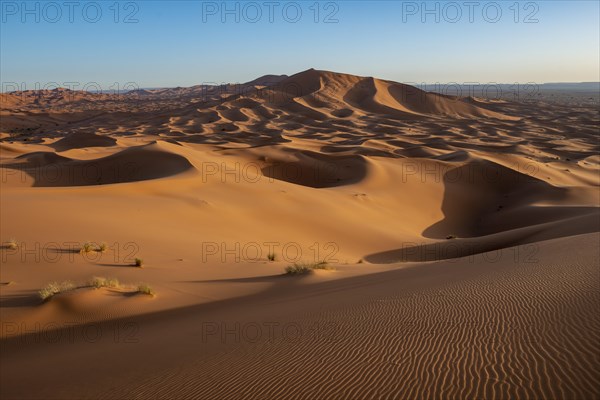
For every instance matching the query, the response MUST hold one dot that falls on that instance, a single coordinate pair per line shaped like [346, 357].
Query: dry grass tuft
[54, 288]
[146, 289]
[87, 247]
[301, 268]
[99, 282]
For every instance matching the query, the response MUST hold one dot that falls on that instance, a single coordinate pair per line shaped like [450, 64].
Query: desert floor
[461, 237]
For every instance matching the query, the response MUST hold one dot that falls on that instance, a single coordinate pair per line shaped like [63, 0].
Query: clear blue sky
[182, 43]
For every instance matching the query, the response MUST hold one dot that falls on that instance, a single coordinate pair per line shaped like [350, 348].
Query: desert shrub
[139, 262]
[322, 265]
[55, 288]
[99, 282]
[297, 269]
[300, 268]
[145, 289]
[87, 247]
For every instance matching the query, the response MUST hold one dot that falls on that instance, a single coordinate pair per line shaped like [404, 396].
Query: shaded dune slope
[488, 207]
[132, 164]
[82, 140]
[482, 198]
[316, 170]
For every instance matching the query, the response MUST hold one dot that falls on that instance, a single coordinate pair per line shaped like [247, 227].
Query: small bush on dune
[146, 289]
[304, 268]
[271, 256]
[297, 269]
[99, 282]
[322, 265]
[12, 244]
[113, 283]
[139, 262]
[87, 247]
[55, 288]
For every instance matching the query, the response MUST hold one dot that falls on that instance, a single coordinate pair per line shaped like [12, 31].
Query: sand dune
[463, 233]
[463, 330]
[349, 94]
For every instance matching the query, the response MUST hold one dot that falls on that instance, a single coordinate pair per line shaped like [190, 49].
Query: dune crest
[344, 93]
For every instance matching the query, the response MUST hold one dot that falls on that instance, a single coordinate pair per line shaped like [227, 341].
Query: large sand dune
[463, 232]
